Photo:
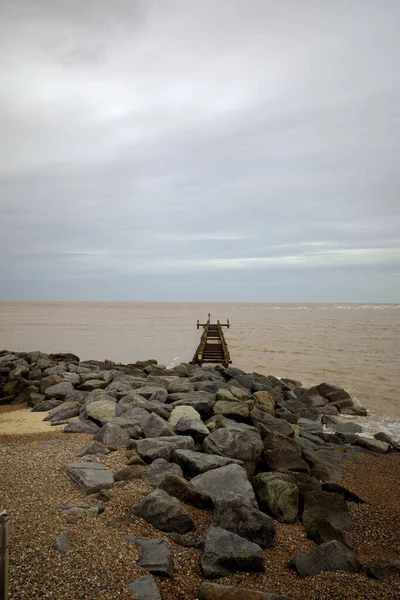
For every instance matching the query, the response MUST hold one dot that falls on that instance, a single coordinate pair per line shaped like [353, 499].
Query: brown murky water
[356, 346]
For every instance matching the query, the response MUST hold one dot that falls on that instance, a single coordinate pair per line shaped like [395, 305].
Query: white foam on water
[374, 423]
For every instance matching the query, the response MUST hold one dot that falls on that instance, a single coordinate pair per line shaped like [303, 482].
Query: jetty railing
[213, 347]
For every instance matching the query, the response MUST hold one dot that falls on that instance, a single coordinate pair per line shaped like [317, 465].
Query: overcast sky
[200, 150]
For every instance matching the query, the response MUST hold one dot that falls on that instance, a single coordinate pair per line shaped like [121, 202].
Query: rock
[154, 426]
[101, 409]
[282, 452]
[46, 405]
[182, 411]
[326, 506]
[384, 437]
[145, 588]
[164, 512]
[220, 421]
[50, 381]
[338, 489]
[112, 435]
[231, 408]
[159, 396]
[234, 443]
[195, 463]
[330, 556]
[260, 417]
[79, 426]
[175, 485]
[153, 448]
[104, 495]
[67, 410]
[321, 531]
[310, 426]
[186, 541]
[331, 392]
[226, 552]
[346, 427]
[129, 473]
[219, 482]
[324, 467]
[371, 444]
[236, 514]
[244, 379]
[156, 556]
[93, 448]
[73, 513]
[147, 391]
[381, 570]
[93, 384]
[278, 495]
[90, 477]
[178, 386]
[213, 591]
[193, 427]
[159, 469]
[265, 399]
[203, 402]
[61, 543]
[60, 391]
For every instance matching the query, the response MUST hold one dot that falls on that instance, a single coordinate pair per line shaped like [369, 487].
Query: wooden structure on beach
[213, 347]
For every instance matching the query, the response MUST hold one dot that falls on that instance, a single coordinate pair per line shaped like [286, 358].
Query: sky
[222, 150]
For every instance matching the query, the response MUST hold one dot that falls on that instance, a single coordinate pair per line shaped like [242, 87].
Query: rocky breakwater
[251, 448]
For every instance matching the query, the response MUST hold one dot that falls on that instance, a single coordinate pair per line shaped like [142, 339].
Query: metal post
[4, 522]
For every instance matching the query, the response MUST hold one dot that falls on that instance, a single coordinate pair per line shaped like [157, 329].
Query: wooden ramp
[213, 347]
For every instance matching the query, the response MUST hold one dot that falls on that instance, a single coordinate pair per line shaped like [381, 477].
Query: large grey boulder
[112, 435]
[193, 427]
[326, 506]
[261, 417]
[145, 588]
[282, 452]
[154, 426]
[156, 556]
[278, 495]
[203, 402]
[182, 411]
[234, 443]
[60, 391]
[231, 408]
[177, 486]
[330, 556]
[164, 512]
[159, 469]
[93, 448]
[152, 448]
[214, 591]
[372, 444]
[194, 463]
[81, 426]
[93, 384]
[101, 409]
[66, 410]
[236, 514]
[321, 531]
[331, 392]
[226, 552]
[219, 482]
[90, 477]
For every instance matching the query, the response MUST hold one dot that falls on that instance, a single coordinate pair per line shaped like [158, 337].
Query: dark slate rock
[67, 410]
[372, 444]
[347, 427]
[145, 588]
[112, 435]
[90, 477]
[159, 396]
[129, 473]
[152, 448]
[321, 531]
[60, 391]
[339, 489]
[236, 514]
[281, 426]
[154, 426]
[330, 556]
[159, 469]
[193, 427]
[384, 437]
[326, 506]
[203, 402]
[226, 552]
[219, 482]
[93, 448]
[331, 392]
[278, 495]
[175, 485]
[282, 452]
[194, 463]
[79, 426]
[156, 556]
[61, 543]
[233, 443]
[381, 570]
[164, 512]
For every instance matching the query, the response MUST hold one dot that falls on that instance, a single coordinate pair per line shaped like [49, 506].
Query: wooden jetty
[213, 347]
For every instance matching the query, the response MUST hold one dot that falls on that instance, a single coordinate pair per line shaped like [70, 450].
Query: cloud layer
[184, 150]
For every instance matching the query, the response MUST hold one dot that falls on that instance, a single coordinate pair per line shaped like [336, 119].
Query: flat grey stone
[145, 588]
[90, 477]
[219, 482]
[330, 556]
[156, 556]
[159, 469]
[194, 463]
[164, 512]
[61, 543]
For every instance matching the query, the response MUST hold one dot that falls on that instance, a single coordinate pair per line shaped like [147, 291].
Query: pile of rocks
[252, 448]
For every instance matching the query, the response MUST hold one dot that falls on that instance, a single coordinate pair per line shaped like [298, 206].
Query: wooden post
[4, 522]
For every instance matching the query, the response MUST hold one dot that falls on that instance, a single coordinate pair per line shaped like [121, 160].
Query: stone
[213, 591]
[112, 435]
[231, 408]
[145, 588]
[61, 543]
[159, 469]
[73, 513]
[384, 437]
[203, 402]
[152, 448]
[331, 392]
[244, 379]
[282, 452]
[164, 512]
[324, 467]
[156, 556]
[178, 386]
[236, 514]
[219, 482]
[234, 443]
[159, 396]
[182, 411]
[326, 506]
[226, 552]
[193, 427]
[67, 410]
[310, 426]
[339, 489]
[194, 463]
[79, 426]
[147, 391]
[381, 570]
[175, 485]
[154, 426]
[278, 495]
[90, 477]
[330, 556]
[321, 531]
[101, 409]
[265, 399]
[93, 448]
[50, 381]
[59, 391]
[129, 473]
[93, 384]
[346, 427]
[372, 444]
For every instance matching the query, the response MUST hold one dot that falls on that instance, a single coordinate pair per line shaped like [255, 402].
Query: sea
[356, 346]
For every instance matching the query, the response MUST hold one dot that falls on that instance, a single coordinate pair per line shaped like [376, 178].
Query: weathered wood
[213, 347]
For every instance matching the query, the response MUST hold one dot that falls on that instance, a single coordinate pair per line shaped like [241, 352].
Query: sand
[20, 421]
